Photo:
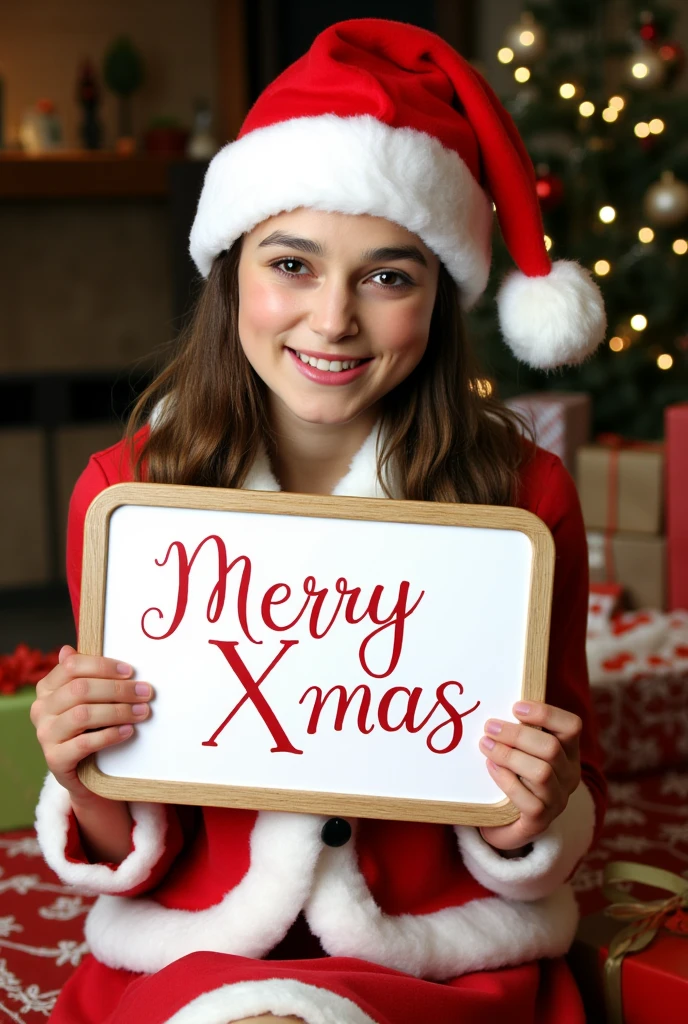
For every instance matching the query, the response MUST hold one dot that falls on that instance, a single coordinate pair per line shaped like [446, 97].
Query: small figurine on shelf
[40, 130]
[123, 73]
[165, 135]
[88, 95]
[202, 145]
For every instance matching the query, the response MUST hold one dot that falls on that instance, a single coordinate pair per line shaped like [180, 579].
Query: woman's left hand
[538, 769]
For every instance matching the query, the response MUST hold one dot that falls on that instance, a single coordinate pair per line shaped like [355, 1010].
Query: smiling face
[332, 289]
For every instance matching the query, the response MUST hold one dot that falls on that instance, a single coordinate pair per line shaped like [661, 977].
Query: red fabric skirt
[535, 993]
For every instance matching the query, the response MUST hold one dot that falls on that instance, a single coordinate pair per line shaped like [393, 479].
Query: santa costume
[219, 914]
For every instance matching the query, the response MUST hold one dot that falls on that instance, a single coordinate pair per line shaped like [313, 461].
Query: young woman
[340, 237]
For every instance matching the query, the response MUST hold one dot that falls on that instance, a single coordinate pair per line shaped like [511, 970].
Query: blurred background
[109, 113]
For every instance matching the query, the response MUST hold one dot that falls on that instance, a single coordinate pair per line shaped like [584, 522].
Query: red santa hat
[387, 119]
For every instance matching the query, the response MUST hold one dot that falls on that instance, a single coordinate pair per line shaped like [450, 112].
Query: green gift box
[22, 765]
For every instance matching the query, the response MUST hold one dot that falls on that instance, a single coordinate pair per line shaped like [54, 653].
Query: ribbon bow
[646, 917]
[24, 667]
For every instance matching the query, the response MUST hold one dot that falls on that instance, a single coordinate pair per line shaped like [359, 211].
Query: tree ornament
[549, 188]
[648, 29]
[645, 69]
[527, 39]
[666, 202]
[673, 57]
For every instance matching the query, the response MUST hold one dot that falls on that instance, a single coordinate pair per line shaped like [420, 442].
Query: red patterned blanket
[41, 921]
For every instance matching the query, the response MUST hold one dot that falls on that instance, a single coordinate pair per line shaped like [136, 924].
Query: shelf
[76, 174]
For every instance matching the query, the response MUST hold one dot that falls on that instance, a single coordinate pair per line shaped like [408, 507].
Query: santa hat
[386, 119]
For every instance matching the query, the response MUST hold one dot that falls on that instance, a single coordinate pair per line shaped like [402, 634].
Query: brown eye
[292, 267]
[392, 279]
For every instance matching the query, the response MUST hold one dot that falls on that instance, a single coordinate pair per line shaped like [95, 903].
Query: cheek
[403, 330]
[263, 308]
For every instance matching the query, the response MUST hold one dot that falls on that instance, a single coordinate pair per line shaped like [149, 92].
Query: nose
[333, 311]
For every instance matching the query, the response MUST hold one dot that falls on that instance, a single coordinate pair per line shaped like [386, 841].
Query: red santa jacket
[431, 900]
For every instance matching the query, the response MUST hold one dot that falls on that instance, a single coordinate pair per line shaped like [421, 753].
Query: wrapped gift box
[635, 560]
[621, 488]
[560, 421]
[22, 766]
[638, 666]
[676, 431]
[654, 981]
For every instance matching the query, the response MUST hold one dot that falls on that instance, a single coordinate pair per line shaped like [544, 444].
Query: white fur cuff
[554, 855]
[281, 996]
[52, 827]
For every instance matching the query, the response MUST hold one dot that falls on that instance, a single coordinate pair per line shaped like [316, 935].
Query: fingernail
[494, 727]
[487, 742]
[123, 668]
[492, 766]
[126, 730]
[142, 690]
[522, 709]
[139, 709]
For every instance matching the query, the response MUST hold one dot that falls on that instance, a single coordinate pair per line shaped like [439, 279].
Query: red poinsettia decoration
[24, 667]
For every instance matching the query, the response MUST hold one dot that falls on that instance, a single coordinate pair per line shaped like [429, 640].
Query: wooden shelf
[76, 174]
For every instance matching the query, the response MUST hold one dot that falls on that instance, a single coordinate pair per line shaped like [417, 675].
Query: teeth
[324, 364]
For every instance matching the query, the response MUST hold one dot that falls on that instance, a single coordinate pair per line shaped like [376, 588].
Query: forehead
[339, 232]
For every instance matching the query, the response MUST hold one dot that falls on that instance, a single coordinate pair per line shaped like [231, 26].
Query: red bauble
[673, 57]
[550, 191]
[648, 33]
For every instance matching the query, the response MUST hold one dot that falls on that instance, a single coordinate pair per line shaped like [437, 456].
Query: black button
[336, 832]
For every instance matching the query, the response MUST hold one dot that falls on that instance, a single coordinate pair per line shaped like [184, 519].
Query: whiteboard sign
[321, 654]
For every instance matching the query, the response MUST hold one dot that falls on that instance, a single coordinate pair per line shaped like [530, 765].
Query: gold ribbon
[647, 919]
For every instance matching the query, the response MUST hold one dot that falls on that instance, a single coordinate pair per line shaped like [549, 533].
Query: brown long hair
[444, 438]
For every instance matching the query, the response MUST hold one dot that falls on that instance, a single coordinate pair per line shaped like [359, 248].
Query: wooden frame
[91, 625]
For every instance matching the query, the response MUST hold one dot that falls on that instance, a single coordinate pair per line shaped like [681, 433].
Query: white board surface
[469, 628]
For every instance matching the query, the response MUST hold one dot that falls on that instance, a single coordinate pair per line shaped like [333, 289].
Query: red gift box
[632, 967]
[676, 431]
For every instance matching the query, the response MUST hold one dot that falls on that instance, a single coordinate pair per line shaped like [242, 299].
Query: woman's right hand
[86, 703]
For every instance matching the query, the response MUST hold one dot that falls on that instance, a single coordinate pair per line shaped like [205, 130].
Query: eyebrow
[390, 252]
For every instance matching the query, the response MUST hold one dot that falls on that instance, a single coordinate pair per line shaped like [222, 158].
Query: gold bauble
[527, 40]
[666, 202]
[656, 69]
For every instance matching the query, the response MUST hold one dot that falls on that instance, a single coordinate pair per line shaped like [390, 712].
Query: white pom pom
[554, 320]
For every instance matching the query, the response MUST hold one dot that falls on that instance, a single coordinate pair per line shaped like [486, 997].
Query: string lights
[607, 214]
[567, 91]
[638, 322]
[602, 268]
[646, 235]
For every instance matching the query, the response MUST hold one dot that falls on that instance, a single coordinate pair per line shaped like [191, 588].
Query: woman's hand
[85, 704]
[538, 769]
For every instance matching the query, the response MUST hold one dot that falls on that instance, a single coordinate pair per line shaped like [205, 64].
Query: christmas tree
[596, 106]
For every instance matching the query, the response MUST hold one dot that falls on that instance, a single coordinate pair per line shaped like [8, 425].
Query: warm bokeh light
[640, 69]
[526, 38]
[680, 246]
[656, 125]
[587, 109]
[482, 387]
[642, 129]
[638, 322]
[665, 361]
[567, 90]
[617, 102]
[505, 55]
[602, 267]
[609, 114]
[522, 74]
[607, 214]
[646, 235]
[548, 243]
[617, 344]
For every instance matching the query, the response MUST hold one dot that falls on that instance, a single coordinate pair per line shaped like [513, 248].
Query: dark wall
[279, 33]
